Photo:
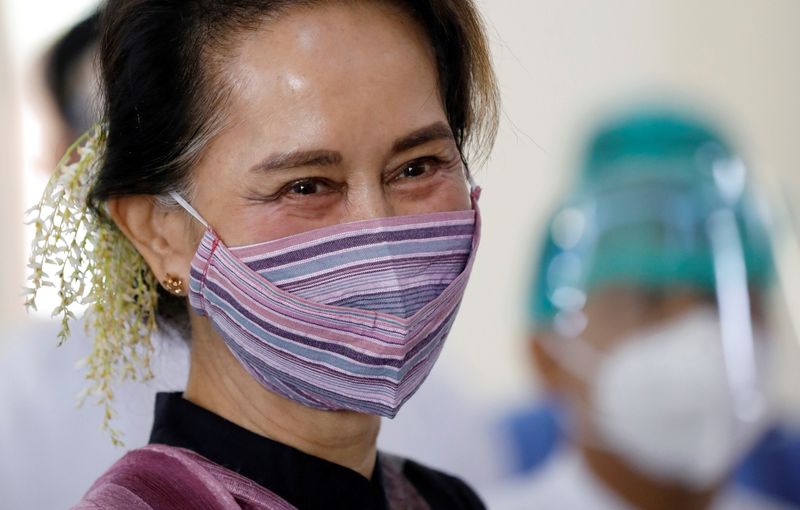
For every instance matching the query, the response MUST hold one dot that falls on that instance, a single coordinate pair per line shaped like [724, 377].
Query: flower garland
[80, 251]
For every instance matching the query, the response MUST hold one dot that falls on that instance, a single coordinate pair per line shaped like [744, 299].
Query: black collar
[303, 480]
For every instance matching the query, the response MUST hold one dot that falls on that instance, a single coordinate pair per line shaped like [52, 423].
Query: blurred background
[561, 65]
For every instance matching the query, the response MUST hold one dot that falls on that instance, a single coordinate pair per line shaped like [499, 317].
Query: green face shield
[653, 236]
[660, 204]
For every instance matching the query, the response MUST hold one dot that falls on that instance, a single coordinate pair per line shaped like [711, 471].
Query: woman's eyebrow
[436, 131]
[296, 159]
[322, 157]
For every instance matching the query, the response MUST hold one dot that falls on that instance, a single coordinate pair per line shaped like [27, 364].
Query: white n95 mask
[663, 402]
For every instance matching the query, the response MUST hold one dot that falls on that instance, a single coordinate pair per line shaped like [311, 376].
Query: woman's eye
[306, 187]
[415, 168]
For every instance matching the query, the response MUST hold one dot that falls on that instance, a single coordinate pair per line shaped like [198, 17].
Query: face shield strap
[188, 208]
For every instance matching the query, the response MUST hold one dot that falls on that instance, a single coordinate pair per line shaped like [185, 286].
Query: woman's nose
[369, 202]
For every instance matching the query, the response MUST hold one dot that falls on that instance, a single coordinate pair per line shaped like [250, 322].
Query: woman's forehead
[346, 66]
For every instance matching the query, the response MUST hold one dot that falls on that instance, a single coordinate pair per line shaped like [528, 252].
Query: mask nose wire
[191, 210]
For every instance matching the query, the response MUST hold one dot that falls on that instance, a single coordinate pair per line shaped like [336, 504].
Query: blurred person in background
[651, 319]
[71, 81]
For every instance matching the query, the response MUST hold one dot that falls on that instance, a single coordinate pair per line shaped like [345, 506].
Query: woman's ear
[161, 235]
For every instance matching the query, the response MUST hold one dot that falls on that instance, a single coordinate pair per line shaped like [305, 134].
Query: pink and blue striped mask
[347, 317]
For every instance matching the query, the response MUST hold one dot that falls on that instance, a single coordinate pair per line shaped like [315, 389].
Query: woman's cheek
[267, 222]
[446, 192]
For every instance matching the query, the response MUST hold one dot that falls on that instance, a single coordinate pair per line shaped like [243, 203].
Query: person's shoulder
[441, 490]
[157, 477]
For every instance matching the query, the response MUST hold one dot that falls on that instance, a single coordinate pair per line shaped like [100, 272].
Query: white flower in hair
[78, 250]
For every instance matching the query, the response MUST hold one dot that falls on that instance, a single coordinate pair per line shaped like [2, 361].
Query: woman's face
[335, 116]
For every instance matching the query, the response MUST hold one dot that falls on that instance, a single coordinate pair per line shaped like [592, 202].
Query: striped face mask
[347, 317]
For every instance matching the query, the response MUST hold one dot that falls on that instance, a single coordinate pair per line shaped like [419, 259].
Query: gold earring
[173, 284]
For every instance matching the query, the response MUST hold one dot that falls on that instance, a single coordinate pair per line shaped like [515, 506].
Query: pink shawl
[159, 477]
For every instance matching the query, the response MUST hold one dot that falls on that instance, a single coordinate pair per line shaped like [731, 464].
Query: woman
[296, 169]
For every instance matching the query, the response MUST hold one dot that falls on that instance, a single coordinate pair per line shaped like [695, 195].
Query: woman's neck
[219, 383]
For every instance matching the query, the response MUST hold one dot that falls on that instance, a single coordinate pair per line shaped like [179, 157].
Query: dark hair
[160, 63]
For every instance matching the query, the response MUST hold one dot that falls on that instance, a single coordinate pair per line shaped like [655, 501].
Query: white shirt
[567, 483]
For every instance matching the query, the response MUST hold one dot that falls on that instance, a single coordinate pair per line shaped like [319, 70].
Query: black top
[305, 481]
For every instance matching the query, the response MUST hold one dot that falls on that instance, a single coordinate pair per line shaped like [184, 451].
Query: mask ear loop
[474, 189]
[188, 208]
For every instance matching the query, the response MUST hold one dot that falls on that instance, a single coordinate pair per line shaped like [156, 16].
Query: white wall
[560, 63]
[10, 203]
